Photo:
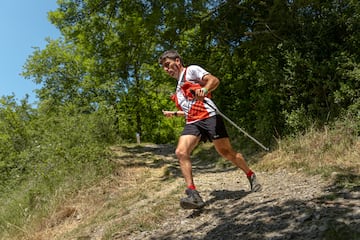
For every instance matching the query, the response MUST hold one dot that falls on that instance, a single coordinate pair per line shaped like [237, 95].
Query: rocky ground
[291, 205]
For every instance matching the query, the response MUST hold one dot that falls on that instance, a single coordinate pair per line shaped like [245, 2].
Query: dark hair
[172, 54]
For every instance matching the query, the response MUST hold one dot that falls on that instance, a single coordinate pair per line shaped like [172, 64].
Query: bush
[60, 153]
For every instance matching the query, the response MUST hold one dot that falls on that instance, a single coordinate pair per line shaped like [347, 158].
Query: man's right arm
[173, 113]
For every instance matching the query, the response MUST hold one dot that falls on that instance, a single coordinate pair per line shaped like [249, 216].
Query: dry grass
[329, 152]
[133, 199]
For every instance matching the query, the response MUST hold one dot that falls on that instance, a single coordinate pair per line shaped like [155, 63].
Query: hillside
[140, 201]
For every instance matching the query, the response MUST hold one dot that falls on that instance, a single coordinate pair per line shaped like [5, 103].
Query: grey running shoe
[254, 185]
[192, 201]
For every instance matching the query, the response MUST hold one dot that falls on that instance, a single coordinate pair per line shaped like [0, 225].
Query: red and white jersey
[189, 80]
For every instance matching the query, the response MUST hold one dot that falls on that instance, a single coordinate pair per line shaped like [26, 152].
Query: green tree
[283, 64]
[15, 136]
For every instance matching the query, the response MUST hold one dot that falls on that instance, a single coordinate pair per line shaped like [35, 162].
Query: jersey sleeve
[195, 74]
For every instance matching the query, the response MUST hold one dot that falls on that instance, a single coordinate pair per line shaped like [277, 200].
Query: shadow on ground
[320, 218]
[333, 216]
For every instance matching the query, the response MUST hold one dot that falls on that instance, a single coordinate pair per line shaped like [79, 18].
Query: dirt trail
[290, 206]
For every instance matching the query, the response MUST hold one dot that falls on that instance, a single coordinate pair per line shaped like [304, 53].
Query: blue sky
[23, 24]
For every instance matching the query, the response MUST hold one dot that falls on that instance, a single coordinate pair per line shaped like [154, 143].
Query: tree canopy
[283, 65]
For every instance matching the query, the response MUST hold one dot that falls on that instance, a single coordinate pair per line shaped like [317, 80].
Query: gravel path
[290, 206]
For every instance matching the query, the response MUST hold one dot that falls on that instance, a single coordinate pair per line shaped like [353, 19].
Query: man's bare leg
[185, 146]
[224, 148]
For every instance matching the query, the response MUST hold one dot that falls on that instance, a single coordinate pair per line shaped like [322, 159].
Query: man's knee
[227, 152]
[181, 154]
[240, 156]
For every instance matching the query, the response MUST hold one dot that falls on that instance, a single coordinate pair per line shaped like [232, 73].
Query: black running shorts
[211, 128]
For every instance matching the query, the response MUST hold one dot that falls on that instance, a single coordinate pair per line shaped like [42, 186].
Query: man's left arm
[211, 83]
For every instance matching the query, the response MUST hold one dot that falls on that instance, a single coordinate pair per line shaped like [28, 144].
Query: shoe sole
[257, 188]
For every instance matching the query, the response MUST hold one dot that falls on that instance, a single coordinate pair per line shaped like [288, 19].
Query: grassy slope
[115, 205]
[331, 152]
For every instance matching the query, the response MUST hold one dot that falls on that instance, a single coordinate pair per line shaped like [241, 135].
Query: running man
[194, 85]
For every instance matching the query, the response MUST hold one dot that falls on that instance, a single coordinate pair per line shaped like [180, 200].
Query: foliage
[44, 154]
[283, 65]
[15, 136]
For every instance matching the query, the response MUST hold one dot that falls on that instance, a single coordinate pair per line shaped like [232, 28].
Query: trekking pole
[236, 126]
[230, 121]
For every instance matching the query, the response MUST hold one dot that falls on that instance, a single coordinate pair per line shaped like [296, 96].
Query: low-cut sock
[250, 173]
